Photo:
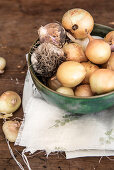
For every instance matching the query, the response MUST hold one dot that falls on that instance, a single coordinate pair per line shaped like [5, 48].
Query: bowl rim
[73, 97]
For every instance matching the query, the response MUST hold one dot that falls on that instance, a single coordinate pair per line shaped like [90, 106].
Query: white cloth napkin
[46, 127]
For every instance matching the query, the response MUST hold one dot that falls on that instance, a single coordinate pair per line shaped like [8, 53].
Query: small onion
[65, 90]
[2, 65]
[74, 52]
[110, 63]
[11, 129]
[83, 91]
[77, 20]
[71, 73]
[9, 102]
[53, 83]
[90, 68]
[109, 38]
[102, 81]
[98, 51]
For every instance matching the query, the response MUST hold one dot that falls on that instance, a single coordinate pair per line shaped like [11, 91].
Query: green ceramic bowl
[75, 105]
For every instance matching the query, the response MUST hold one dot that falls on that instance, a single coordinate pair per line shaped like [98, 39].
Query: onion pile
[86, 66]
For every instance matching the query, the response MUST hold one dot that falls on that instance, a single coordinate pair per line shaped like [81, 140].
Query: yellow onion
[10, 129]
[53, 83]
[97, 51]
[9, 102]
[65, 90]
[90, 68]
[83, 91]
[77, 20]
[110, 63]
[102, 81]
[109, 38]
[70, 73]
[74, 52]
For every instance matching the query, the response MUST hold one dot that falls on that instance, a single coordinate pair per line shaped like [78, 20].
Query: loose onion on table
[83, 91]
[97, 51]
[90, 68]
[74, 52]
[102, 81]
[2, 65]
[65, 90]
[77, 20]
[11, 129]
[71, 73]
[9, 102]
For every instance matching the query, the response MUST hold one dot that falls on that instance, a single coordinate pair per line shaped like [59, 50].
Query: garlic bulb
[52, 33]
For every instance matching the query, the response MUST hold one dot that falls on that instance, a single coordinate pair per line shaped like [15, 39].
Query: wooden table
[19, 21]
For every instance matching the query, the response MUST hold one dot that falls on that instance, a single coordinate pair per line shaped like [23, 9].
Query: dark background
[19, 21]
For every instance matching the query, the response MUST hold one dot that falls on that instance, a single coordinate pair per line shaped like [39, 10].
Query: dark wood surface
[19, 21]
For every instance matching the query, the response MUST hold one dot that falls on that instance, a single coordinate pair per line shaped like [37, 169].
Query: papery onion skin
[90, 68]
[98, 51]
[65, 90]
[11, 129]
[9, 102]
[102, 81]
[77, 20]
[74, 52]
[71, 73]
[83, 91]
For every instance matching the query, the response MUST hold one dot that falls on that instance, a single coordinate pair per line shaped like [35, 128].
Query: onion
[102, 81]
[65, 90]
[90, 68]
[9, 102]
[74, 52]
[83, 91]
[2, 65]
[110, 63]
[71, 73]
[10, 129]
[109, 38]
[98, 51]
[53, 83]
[77, 20]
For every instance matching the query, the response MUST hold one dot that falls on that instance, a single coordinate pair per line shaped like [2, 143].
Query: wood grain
[19, 21]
